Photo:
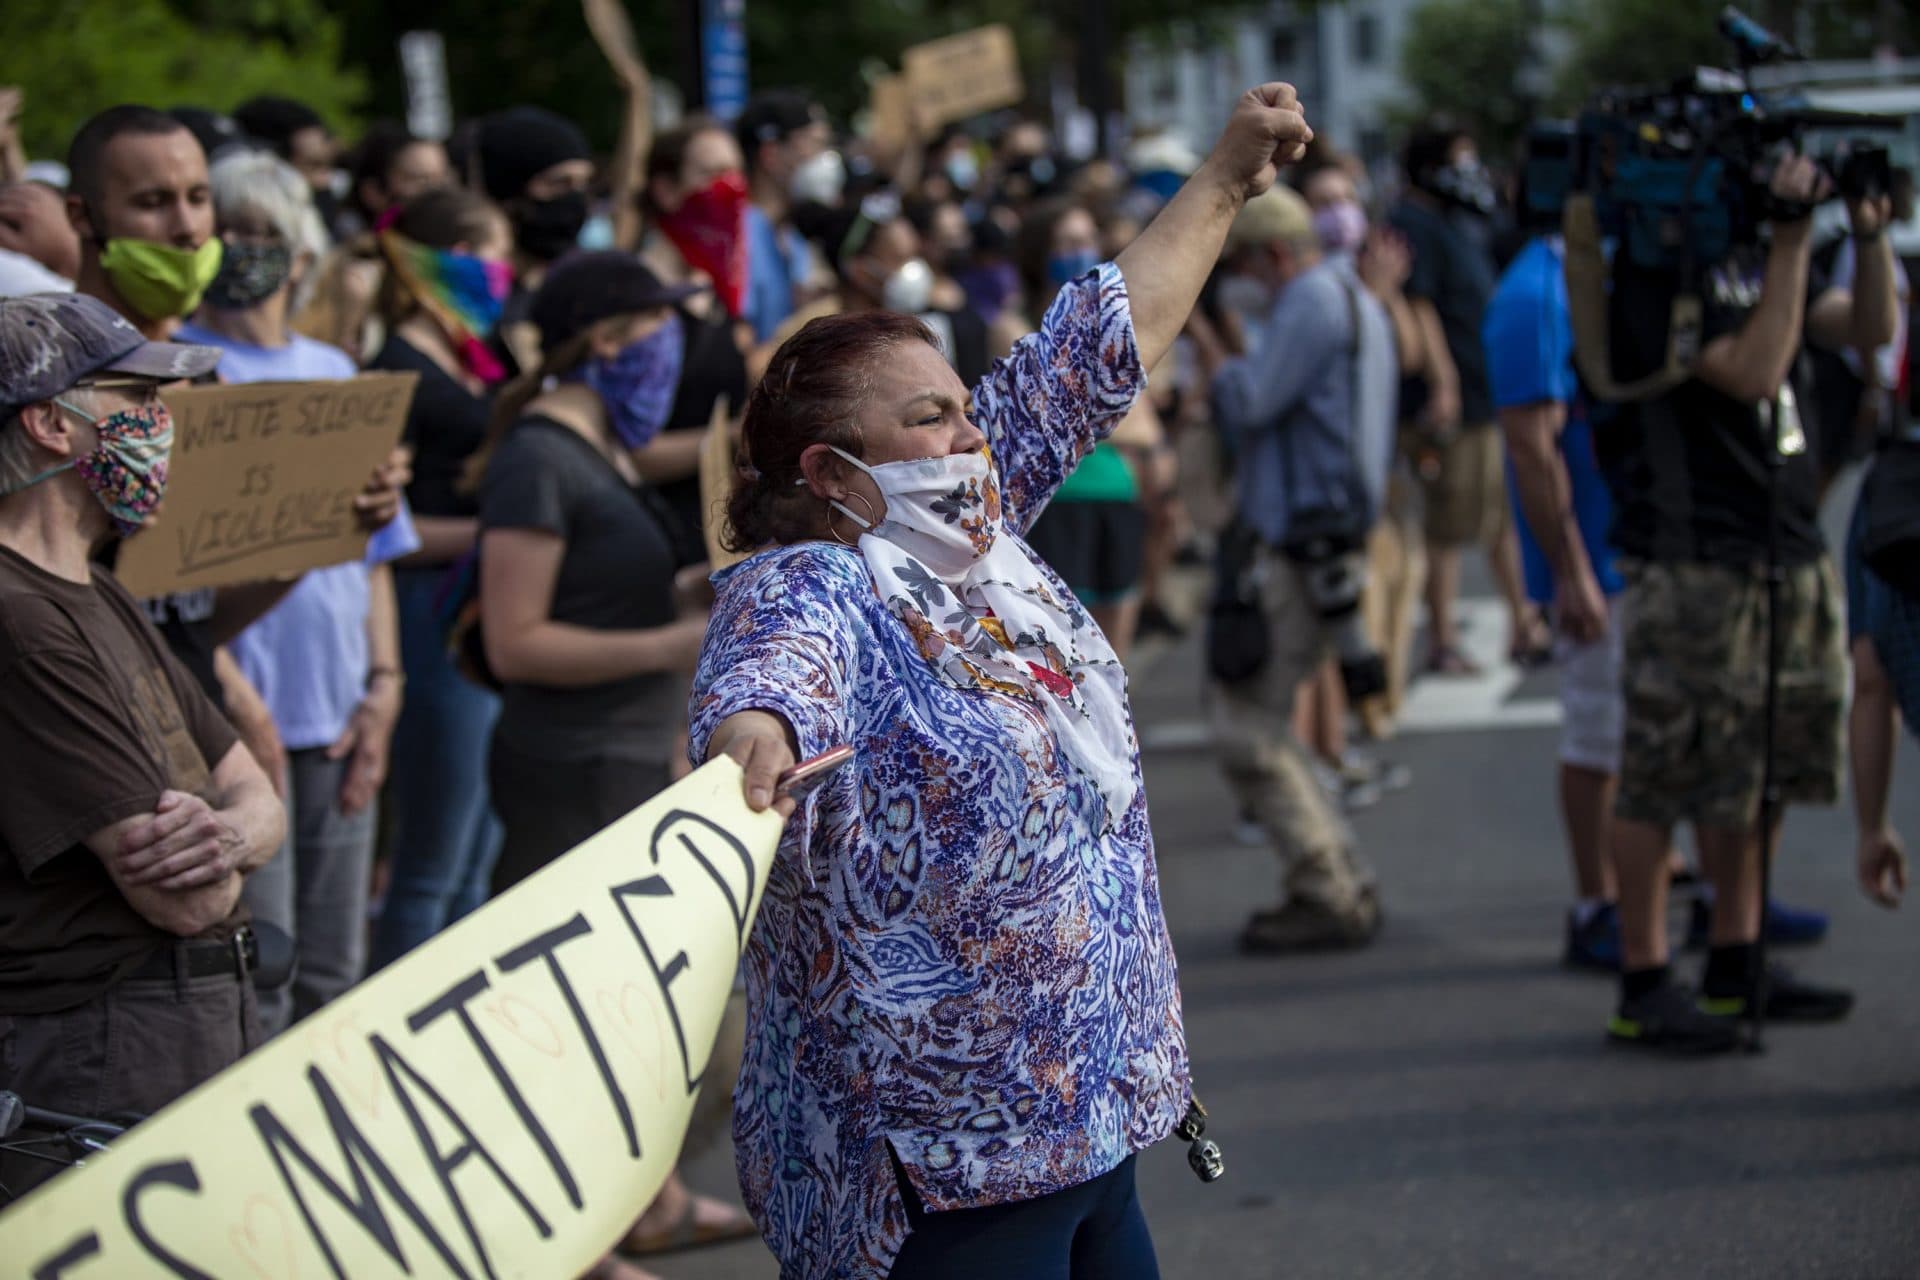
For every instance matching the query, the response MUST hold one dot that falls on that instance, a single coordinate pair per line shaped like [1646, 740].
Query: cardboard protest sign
[963, 75]
[890, 114]
[263, 478]
[716, 486]
[423, 61]
[503, 1102]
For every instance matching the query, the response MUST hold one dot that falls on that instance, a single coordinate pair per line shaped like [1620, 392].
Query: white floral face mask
[941, 511]
[983, 614]
[944, 512]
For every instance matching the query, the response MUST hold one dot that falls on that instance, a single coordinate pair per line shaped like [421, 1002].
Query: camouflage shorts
[1695, 677]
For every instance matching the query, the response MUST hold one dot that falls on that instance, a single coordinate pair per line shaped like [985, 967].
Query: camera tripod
[1770, 808]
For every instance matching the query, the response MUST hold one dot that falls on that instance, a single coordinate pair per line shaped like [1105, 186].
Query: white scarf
[940, 562]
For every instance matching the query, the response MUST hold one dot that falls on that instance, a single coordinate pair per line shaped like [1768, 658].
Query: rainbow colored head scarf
[464, 294]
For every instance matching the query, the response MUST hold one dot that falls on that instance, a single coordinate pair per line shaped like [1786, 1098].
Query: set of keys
[1203, 1155]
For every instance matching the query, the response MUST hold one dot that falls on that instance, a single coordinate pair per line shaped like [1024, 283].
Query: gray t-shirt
[616, 574]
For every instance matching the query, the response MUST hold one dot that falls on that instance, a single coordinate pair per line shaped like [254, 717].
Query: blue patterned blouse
[956, 956]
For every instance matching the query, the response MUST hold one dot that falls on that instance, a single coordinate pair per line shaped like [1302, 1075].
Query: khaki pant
[1695, 675]
[1396, 575]
[1265, 764]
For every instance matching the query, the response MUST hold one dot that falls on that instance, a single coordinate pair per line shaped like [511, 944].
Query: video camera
[1680, 176]
[1677, 178]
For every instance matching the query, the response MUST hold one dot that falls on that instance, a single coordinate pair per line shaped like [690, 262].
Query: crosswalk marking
[1434, 704]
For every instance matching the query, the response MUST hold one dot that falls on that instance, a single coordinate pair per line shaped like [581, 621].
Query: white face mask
[819, 179]
[1252, 299]
[944, 512]
[909, 290]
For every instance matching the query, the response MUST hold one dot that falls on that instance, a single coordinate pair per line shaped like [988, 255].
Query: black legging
[548, 806]
[1094, 1231]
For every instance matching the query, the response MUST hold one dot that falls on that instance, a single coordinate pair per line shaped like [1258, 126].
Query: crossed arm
[181, 865]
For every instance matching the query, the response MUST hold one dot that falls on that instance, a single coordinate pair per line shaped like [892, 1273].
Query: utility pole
[1096, 85]
[713, 55]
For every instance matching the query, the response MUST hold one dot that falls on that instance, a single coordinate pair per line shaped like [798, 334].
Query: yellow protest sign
[964, 75]
[501, 1103]
[263, 478]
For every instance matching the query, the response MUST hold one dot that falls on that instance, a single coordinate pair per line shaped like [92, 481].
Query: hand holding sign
[379, 501]
[501, 1102]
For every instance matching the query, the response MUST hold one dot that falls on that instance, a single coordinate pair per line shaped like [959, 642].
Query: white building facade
[1344, 58]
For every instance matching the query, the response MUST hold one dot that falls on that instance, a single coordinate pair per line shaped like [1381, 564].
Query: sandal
[723, 1223]
[614, 1267]
[1532, 643]
[1449, 661]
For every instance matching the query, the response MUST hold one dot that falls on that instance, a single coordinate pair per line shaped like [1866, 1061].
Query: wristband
[393, 673]
[1872, 237]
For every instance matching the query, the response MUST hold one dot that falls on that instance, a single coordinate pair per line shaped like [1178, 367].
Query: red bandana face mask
[710, 231]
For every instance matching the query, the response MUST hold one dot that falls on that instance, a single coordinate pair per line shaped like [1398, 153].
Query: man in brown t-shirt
[129, 814]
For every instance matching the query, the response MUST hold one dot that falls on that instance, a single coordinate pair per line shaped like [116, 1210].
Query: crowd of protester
[1352, 390]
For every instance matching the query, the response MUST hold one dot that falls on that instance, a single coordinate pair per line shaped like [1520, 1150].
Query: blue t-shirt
[776, 262]
[1528, 335]
[308, 655]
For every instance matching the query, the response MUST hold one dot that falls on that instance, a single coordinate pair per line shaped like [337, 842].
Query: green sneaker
[1788, 998]
[1667, 1019]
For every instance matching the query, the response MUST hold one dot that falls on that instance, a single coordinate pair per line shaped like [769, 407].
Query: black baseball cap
[587, 287]
[51, 341]
[774, 115]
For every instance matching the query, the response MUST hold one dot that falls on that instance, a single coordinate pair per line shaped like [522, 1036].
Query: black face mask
[545, 229]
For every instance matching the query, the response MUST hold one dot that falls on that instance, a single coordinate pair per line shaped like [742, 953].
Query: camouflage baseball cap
[50, 341]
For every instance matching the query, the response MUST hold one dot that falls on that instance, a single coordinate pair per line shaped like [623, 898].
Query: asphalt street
[1444, 1104]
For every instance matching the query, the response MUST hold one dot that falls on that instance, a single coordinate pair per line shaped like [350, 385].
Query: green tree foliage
[75, 57]
[539, 50]
[1637, 42]
[1462, 59]
[1467, 59]
[1650, 42]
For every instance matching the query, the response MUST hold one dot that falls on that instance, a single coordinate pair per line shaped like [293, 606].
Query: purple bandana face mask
[638, 384]
[990, 288]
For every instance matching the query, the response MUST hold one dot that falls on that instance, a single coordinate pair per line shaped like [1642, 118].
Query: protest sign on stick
[964, 75]
[423, 61]
[263, 478]
[502, 1102]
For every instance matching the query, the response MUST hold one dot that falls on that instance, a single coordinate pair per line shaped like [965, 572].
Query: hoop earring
[833, 511]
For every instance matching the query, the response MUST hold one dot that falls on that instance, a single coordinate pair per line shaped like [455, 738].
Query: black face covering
[545, 229]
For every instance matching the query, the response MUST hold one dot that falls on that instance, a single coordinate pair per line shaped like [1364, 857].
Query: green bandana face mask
[158, 280]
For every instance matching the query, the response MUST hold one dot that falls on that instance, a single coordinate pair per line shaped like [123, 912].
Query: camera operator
[1696, 515]
[1309, 412]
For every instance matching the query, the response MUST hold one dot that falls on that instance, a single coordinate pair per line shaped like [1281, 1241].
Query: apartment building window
[1166, 80]
[1284, 47]
[1373, 146]
[1366, 39]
